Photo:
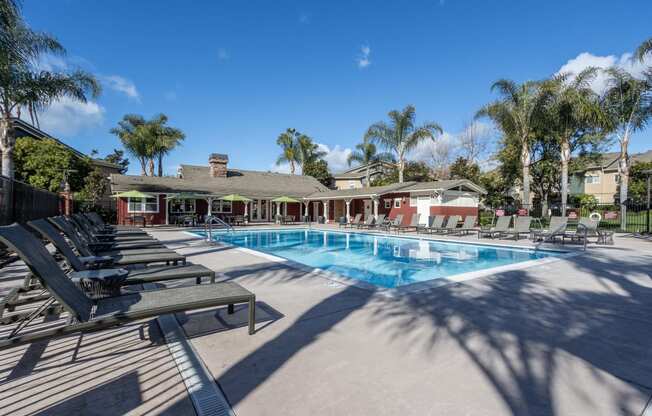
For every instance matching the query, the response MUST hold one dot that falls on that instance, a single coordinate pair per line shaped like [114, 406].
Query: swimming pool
[384, 261]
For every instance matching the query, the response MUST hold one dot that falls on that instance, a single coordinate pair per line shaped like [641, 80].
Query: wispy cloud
[336, 157]
[223, 54]
[121, 85]
[69, 117]
[363, 58]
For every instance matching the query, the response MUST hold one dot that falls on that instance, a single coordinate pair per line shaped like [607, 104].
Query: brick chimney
[217, 165]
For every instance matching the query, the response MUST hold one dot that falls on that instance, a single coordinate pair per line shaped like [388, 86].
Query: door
[367, 208]
[423, 208]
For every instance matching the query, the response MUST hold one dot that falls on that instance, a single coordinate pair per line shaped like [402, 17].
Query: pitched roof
[373, 191]
[609, 161]
[360, 171]
[252, 184]
[445, 185]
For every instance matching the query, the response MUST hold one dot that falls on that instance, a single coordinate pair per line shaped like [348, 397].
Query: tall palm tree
[365, 153]
[132, 133]
[307, 151]
[22, 84]
[627, 105]
[644, 49]
[163, 139]
[517, 113]
[287, 141]
[401, 134]
[572, 113]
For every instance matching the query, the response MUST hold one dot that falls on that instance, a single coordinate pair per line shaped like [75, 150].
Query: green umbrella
[285, 199]
[234, 198]
[132, 194]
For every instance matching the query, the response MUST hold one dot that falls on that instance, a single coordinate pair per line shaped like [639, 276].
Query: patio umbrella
[235, 198]
[132, 194]
[285, 199]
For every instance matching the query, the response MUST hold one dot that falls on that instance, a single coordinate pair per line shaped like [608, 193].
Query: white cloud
[68, 117]
[586, 59]
[427, 150]
[282, 168]
[336, 157]
[122, 85]
[363, 59]
[222, 54]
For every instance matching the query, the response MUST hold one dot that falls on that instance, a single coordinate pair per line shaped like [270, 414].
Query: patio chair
[450, 226]
[134, 276]
[502, 225]
[423, 228]
[379, 222]
[556, 228]
[436, 224]
[367, 222]
[354, 222]
[395, 223]
[101, 230]
[97, 219]
[521, 226]
[586, 228]
[119, 257]
[92, 314]
[414, 223]
[468, 225]
[341, 222]
[81, 223]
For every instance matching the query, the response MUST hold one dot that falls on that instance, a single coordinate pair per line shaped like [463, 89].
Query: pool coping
[410, 288]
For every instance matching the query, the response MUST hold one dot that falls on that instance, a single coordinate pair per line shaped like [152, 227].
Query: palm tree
[307, 151]
[22, 84]
[132, 133]
[627, 105]
[401, 135]
[644, 49]
[287, 141]
[163, 139]
[517, 113]
[572, 114]
[365, 153]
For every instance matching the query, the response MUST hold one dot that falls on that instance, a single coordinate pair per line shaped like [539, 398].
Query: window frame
[220, 205]
[397, 202]
[184, 211]
[388, 204]
[143, 205]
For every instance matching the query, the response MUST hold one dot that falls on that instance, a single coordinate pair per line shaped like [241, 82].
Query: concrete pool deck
[569, 337]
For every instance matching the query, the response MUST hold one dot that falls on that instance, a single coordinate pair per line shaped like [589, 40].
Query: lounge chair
[83, 224]
[436, 224]
[95, 218]
[355, 222]
[367, 222]
[586, 228]
[556, 228]
[502, 225]
[414, 223]
[92, 314]
[134, 276]
[450, 226]
[117, 257]
[425, 227]
[395, 223]
[521, 226]
[100, 229]
[379, 222]
[468, 225]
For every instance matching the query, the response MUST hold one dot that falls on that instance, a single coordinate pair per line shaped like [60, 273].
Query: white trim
[142, 205]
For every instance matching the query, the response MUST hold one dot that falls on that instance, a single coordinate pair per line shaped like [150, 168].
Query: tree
[131, 133]
[464, 168]
[44, 163]
[401, 134]
[318, 169]
[643, 49]
[638, 185]
[95, 186]
[307, 152]
[572, 115]
[287, 141]
[441, 156]
[497, 189]
[117, 157]
[517, 113]
[163, 140]
[413, 172]
[23, 85]
[365, 154]
[627, 106]
[473, 142]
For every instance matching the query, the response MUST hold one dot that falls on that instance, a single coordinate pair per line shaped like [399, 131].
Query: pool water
[383, 261]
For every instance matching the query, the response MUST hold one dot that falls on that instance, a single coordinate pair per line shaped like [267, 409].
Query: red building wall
[152, 218]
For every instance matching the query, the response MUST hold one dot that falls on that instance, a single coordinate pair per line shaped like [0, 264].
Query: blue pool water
[382, 261]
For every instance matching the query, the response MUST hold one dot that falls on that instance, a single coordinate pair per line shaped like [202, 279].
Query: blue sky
[234, 74]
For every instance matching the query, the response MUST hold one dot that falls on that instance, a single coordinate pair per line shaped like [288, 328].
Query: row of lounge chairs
[441, 224]
[88, 280]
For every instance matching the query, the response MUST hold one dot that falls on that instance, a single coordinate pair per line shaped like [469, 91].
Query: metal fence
[637, 217]
[20, 202]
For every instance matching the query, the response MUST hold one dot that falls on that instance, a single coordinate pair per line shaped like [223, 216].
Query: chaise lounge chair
[423, 228]
[395, 223]
[101, 230]
[93, 314]
[589, 228]
[378, 223]
[449, 227]
[468, 225]
[502, 225]
[556, 228]
[521, 226]
[81, 223]
[96, 219]
[367, 222]
[414, 223]
[355, 222]
[436, 224]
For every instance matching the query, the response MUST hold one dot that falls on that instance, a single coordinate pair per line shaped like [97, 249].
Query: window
[617, 178]
[182, 205]
[413, 201]
[592, 179]
[397, 203]
[142, 204]
[388, 203]
[221, 207]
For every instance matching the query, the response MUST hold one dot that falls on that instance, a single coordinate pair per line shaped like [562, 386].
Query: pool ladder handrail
[208, 226]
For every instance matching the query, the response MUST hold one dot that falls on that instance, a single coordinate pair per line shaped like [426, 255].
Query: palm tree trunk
[292, 167]
[7, 142]
[525, 160]
[401, 166]
[623, 171]
[565, 159]
[143, 166]
[151, 166]
[367, 176]
[160, 165]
